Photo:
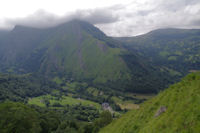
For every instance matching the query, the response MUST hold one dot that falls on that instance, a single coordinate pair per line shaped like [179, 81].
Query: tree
[18, 118]
[46, 102]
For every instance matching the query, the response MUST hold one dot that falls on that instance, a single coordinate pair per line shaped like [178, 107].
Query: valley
[74, 78]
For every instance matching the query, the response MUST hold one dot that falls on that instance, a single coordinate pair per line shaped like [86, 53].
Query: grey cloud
[175, 5]
[158, 14]
[97, 16]
[125, 20]
[43, 19]
[195, 22]
[144, 12]
[38, 19]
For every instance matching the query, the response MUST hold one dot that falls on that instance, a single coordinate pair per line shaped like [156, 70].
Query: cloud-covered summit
[136, 17]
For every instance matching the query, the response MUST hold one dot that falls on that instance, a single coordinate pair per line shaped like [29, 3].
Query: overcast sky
[114, 17]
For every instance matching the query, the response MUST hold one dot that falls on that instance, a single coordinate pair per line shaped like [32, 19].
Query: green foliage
[104, 119]
[181, 101]
[63, 100]
[177, 49]
[21, 87]
[18, 118]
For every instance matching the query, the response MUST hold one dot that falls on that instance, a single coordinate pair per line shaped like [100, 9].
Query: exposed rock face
[161, 110]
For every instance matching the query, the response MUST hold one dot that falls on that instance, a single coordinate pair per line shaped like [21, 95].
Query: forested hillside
[178, 50]
[21, 87]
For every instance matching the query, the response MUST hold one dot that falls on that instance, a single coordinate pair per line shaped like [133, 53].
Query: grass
[93, 91]
[130, 104]
[102, 63]
[65, 100]
[36, 101]
[140, 96]
[182, 113]
[57, 80]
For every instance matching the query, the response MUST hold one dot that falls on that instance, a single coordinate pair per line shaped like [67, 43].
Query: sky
[113, 17]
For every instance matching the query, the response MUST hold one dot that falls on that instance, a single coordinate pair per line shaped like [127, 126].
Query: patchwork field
[64, 100]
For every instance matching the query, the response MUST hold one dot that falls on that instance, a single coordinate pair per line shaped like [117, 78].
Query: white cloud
[132, 17]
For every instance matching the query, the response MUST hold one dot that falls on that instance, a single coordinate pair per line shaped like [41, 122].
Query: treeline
[20, 87]
[16, 117]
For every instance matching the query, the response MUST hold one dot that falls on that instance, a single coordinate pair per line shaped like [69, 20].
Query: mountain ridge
[77, 50]
[176, 49]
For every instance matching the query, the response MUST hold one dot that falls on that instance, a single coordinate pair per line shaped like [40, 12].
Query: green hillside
[178, 106]
[175, 49]
[78, 51]
[81, 56]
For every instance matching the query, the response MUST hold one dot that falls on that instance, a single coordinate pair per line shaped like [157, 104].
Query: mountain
[176, 49]
[3, 32]
[77, 50]
[176, 109]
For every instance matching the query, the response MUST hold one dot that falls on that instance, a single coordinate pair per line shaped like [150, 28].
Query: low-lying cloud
[43, 19]
[124, 20]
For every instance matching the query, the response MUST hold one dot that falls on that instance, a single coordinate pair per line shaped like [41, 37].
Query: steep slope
[176, 49]
[78, 50]
[173, 110]
[78, 53]
[3, 32]
[18, 44]
[71, 49]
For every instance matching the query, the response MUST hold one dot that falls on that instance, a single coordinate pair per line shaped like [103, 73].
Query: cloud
[136, 17]
[98, 16]
[196, 22]
[43, 19]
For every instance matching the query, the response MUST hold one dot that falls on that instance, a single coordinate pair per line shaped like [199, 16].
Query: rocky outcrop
[161, 110]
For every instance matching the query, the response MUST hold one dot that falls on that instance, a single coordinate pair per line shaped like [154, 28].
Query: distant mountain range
[176, 49]
[77, 50]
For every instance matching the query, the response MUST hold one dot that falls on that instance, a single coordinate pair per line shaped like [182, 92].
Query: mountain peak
[77, 21]
[85, 26]
[21, 28]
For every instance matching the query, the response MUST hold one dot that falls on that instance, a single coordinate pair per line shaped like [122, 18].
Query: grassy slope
[65, 100]
[77, 53]
[182, 101]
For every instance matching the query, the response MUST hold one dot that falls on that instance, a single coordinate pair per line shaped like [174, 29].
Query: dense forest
[20, 87]
[20, 118]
